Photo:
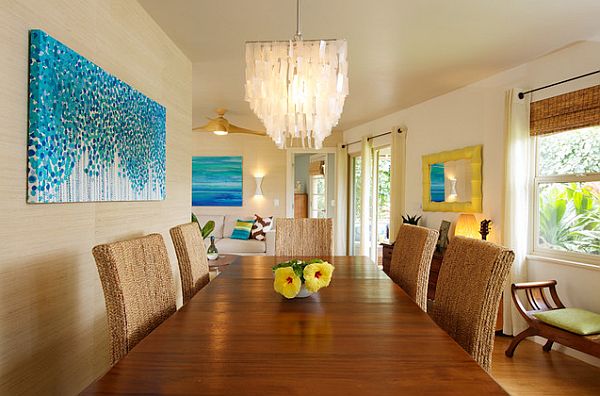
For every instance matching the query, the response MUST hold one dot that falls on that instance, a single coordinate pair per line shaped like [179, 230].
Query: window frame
[312, 194]
[536, 249]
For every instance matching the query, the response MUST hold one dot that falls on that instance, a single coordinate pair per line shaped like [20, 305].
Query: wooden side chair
[138, 289]
[411, 261]
[539, 301]
[468, 292]
[191, 256]
[304, 237]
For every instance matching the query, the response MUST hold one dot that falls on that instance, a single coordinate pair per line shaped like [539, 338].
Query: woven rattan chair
[468, 293]
[411, 261]
[304, 237]
[191, 255]
[138, 289]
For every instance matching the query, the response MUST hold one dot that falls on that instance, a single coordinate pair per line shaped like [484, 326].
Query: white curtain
[517, 199]
[341, 203]
[398, 181]
[365, 202]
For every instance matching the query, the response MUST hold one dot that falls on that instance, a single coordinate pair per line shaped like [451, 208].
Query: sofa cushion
[242, 229]
[218, 219]
[229, 224]
[261, 226]
[227, 245]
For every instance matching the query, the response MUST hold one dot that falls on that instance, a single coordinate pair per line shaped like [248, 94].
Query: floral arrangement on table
[297, 278]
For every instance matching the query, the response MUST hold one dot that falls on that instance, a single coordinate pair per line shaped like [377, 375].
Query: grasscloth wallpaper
[53, 331]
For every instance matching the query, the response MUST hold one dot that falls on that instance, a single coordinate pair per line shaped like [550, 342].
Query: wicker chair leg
[518, 338]
[548, 346]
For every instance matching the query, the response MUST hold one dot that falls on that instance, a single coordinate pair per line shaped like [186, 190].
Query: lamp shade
[259, 191]
[467, 226]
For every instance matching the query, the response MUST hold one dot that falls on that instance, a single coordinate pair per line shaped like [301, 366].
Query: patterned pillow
[260, 227]
[242, 229]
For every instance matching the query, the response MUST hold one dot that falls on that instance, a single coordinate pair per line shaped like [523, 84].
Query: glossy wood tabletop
[360, 336]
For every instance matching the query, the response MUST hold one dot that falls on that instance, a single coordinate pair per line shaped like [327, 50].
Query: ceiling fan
[221, 126]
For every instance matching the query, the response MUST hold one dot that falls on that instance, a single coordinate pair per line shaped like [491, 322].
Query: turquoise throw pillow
[575, 320]
[242, 229]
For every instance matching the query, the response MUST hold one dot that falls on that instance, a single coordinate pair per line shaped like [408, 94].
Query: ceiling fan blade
[215, 124]
[236, 129]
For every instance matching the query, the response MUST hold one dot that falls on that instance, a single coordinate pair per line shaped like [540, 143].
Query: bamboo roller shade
[573, 110]
[316, 168]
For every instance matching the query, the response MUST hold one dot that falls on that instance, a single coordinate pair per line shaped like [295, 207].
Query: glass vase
[212, 253]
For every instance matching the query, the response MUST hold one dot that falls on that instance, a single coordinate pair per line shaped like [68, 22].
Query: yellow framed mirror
[452, 180]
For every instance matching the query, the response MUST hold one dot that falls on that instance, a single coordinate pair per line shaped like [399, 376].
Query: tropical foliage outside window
[356, 205]
[384, 164]
[568, 191]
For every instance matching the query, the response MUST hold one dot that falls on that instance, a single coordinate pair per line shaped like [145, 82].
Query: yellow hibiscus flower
[287, 283]
[317, 275]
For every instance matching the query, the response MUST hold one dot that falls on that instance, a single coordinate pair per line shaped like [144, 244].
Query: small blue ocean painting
[436, 177]
[217, 181]
[92, 137]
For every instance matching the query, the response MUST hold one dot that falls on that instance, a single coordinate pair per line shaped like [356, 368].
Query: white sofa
[224, 225]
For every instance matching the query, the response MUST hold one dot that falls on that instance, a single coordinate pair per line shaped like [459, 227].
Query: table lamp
[467, 226]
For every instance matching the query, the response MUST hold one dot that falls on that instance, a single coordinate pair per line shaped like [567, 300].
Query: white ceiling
[401, 52]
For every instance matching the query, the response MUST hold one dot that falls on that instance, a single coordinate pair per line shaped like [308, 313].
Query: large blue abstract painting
[217, 181]
[436, 177]
[92, 137]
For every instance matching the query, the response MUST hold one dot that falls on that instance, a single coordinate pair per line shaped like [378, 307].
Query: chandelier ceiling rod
[298, 35]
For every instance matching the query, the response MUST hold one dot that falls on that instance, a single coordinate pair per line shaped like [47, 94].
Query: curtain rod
[371, 138]
[522, 94]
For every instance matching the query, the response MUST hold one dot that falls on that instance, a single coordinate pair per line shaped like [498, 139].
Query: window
[318, 197]
[567, 194]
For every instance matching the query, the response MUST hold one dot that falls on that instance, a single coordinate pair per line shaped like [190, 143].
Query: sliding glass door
[354, 205]
[382, 159]
[378, 228]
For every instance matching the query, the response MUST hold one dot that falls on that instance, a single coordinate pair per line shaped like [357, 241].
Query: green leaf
[207, 229]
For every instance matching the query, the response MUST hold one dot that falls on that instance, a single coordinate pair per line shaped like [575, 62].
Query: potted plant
[297, 278]
[212, 252]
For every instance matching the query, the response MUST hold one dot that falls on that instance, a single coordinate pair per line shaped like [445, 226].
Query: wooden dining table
[362, 335]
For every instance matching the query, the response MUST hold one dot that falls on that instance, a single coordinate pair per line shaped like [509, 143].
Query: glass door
[383, 165]
[355, 205]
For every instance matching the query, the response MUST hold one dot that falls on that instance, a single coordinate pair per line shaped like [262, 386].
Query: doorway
[311, 181]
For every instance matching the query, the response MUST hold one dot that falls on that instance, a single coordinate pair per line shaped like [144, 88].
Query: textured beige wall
[53, 331]
[260, 156]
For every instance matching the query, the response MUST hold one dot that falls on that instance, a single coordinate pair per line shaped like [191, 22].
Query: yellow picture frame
[472, 153]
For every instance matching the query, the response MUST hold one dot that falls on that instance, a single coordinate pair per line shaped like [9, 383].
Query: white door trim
[289, 174]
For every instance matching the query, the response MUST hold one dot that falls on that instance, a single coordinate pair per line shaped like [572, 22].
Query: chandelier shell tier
[297, 88]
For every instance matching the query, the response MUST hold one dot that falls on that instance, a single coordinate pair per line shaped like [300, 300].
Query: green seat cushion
[575, 320]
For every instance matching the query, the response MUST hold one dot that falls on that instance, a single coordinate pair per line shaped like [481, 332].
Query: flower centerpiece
[297, 278]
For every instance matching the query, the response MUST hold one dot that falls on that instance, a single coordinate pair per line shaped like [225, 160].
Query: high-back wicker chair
[191, 255]
[304, 237]
[411, 261]
[468, 292]
[138, 289]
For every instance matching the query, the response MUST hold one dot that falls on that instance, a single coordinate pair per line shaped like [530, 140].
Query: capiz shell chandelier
[298, 87]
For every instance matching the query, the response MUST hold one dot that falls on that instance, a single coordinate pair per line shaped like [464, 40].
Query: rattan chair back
[191, 256]
[138, 289]
[468, 292]
[411, 261]
[304, 237]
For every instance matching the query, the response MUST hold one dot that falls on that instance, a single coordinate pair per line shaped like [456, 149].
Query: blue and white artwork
[217, 181]
[92, 137]
[436, 177]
